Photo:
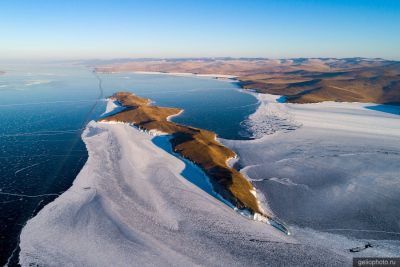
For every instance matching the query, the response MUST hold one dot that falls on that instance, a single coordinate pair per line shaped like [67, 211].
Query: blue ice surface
[281, 99]
[385, 108]
[191, 172]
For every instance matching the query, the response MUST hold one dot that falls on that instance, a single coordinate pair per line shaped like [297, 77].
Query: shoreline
[169, 118]
[197, 145]
[235, 79]
[310, 80]
[220, 77]
[272, 220]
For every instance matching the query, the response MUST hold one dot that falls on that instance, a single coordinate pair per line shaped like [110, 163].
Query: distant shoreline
[223, 77]
[301, 80]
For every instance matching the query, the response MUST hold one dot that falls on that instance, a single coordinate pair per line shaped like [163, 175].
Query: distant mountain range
[301, 80]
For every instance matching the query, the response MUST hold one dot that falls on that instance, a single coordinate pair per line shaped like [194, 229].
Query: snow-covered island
[135, 204]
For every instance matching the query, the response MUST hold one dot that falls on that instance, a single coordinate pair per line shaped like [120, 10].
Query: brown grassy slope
[366, 84]
[301, 80]
[199, 146]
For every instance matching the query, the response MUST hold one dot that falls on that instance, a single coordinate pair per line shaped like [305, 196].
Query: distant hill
[302, 80]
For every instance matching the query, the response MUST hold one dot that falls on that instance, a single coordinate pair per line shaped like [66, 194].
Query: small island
[197, 145]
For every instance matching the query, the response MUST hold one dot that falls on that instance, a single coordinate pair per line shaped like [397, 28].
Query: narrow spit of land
[198, 145]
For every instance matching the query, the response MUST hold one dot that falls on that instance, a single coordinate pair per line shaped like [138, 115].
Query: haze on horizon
[41, 30]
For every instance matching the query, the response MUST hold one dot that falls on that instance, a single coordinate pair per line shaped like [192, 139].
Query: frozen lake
[44, 108]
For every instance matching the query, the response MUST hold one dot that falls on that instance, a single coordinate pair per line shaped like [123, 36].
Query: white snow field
[333, 167]
[133, 203]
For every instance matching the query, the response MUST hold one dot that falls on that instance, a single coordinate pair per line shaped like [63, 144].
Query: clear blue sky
[277, 29]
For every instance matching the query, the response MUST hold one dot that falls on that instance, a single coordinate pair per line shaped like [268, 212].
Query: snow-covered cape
[131, 205]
